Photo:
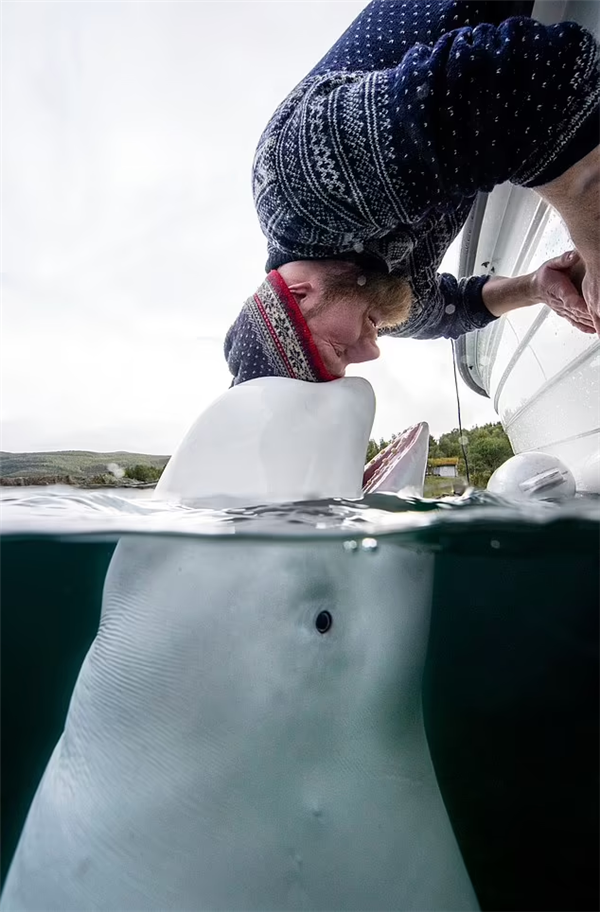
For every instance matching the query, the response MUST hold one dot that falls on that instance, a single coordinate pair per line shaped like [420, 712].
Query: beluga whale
[246, 730]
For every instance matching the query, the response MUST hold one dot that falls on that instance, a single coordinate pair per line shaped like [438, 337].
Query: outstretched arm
[457, 306]
[576, 196]
[556, 283]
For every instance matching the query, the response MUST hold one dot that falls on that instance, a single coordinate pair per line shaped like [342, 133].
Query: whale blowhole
[323, 621]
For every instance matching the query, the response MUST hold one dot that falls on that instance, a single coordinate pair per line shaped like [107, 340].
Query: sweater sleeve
[450, 308]
[369, 152]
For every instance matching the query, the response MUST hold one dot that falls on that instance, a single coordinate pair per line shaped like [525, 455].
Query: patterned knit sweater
[378, 154]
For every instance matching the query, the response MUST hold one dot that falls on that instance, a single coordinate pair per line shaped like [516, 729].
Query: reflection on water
[510, 687]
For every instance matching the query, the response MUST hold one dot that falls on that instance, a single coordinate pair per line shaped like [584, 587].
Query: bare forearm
[576, 196]
[501, 294]
[558, 283]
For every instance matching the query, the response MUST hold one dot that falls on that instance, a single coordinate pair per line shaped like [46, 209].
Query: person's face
[344, 306]
[345, 332]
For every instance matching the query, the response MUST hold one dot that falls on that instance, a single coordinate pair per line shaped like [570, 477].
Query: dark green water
[510, 686]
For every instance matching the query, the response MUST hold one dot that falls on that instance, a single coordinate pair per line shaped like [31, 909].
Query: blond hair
[389, 295]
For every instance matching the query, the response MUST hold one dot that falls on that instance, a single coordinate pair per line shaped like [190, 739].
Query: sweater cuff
[475, 311]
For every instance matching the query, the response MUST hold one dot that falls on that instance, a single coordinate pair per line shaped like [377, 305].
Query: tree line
[145, 473]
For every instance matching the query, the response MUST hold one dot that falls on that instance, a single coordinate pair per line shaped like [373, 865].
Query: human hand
[564, 285]
[590, 289]
[575, 196]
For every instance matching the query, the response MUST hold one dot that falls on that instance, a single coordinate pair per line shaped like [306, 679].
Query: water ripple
[477, 520]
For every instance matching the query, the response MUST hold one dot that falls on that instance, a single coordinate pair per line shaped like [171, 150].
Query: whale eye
[323, 621]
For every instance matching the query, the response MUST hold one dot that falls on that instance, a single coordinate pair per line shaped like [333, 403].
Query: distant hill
[71, 465]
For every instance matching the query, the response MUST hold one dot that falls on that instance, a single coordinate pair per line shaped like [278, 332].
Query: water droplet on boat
[350, 546]
[369, 544]
[495, 543]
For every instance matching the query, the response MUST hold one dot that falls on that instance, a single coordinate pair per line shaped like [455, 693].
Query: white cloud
[129, 234]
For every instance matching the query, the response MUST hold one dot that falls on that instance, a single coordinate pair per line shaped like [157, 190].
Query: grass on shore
[440, 487]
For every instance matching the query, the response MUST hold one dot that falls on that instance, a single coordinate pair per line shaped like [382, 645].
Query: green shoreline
[81, 468]
[34, 481]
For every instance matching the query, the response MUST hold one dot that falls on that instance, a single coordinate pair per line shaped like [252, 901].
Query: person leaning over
[369, 168]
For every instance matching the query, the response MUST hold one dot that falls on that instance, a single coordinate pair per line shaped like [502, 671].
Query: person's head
[310, 319]
[344, 306]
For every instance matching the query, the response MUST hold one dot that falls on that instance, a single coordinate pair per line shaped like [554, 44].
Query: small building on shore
[444, 467]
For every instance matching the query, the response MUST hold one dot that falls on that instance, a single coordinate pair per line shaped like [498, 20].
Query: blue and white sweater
[378, 154]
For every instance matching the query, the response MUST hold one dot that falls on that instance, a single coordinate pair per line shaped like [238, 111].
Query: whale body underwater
[251, 739]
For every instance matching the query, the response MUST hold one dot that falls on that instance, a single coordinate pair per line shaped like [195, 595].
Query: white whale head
[246, 729]
[274, 440]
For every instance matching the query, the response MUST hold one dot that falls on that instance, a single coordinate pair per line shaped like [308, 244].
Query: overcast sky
[129, 234]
